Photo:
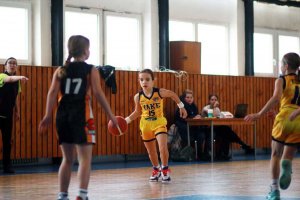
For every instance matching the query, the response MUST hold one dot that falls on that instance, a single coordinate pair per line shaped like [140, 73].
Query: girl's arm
[10, 79]
[274, 100]
[137, 110]
[168, 93]
[99, 94]
[51, 99]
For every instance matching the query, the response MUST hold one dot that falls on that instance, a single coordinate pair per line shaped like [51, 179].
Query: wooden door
[185, 56]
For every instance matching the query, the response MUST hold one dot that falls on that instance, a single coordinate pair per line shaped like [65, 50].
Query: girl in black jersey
[74, 83]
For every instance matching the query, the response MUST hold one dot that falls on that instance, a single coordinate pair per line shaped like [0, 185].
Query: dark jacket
[107, 72]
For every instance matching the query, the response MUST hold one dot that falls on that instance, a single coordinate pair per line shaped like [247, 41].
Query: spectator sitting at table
[197, 133]
[223, 133]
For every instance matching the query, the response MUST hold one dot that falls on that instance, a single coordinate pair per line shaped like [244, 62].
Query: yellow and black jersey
[291, 91]
[284, 130]
[152, 121]
[152, 107]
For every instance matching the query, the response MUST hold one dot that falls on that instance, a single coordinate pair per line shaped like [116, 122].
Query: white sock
[63, 196]
[274, 185]
[156, 167]
[164, 167]
[83, 193]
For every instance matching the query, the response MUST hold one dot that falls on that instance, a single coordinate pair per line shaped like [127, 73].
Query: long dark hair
[292, 60]
[77, 44]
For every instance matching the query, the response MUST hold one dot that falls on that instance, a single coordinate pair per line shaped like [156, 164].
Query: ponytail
[62, 72]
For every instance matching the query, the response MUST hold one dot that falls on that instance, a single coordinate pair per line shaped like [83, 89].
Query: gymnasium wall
[27, 143]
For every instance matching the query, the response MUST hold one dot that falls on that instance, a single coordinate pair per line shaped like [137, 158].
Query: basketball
[122, 124]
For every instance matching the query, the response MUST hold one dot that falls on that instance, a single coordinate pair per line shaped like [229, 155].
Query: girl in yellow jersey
[286, 128]
[149, 105]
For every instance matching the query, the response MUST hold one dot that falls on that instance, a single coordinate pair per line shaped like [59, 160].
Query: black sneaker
[248, 150]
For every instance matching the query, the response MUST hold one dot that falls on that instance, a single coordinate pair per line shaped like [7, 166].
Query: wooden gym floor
[232, 180]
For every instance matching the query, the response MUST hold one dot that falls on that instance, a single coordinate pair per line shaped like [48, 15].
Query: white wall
[276, 17]
[229, 12]
[225, 12]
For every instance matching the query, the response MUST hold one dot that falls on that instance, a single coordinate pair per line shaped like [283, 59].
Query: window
[15, 19]
[122, 41]
[214, 49]
[176, 33]
[269, 48]
[214, 44]
[86, 24]
[263, 53]
[122, 44]
[287, 44]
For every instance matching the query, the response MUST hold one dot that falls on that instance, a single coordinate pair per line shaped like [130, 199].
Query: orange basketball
[122, 124]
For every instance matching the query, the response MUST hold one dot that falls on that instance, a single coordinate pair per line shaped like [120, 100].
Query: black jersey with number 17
[74, 117]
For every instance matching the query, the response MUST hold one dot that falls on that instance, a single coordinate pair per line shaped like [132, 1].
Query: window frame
[227, 27]
[27, 6]
[127, 15]
[195, 26]
[276, 60]
[195, 30]
[99, 13]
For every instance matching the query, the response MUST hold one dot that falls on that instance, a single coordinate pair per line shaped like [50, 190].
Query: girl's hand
[23, 78]
[17, 115]
[115, 121]
[44, 124]
[252, 117]
[216, 104]
[183, 113]
[197, 117]
[272, 114]
[294, 114]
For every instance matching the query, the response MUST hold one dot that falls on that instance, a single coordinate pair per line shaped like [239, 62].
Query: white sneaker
[166, 175]
[156, 173]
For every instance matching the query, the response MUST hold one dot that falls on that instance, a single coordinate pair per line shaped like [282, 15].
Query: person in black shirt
[9, 90]
[224, 134]
[197, 133]
[75, 126]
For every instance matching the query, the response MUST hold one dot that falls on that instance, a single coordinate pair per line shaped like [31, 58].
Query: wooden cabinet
[185, 56]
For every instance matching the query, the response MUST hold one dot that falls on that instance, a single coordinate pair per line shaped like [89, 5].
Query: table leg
[254, 139]
[188, 134]
[212, 142]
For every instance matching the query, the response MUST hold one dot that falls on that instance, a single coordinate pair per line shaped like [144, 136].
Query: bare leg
[289, 152]
[286, 166]
[162, 140]
[84, 159]
[65, 169]
[152, 152]
[277, 149]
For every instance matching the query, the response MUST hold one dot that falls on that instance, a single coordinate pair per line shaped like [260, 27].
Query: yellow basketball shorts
[151, 128]
[284, 130]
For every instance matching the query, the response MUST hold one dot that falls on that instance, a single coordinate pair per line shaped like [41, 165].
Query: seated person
[196, 132]
[224, 133]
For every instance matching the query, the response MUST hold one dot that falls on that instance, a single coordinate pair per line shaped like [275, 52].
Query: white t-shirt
[216, 110]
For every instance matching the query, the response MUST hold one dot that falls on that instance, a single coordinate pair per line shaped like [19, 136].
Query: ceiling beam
[282, 2]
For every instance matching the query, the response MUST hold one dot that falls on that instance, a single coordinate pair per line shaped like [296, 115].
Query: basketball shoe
[273, 195]
[156, 173]
[166, 175]
[286, 174]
